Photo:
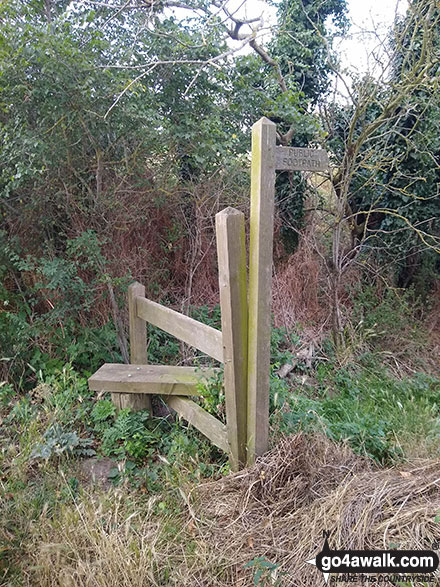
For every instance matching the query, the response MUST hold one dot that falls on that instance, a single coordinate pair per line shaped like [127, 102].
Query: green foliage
[207, 315]
[281, 344]
[212, 396]
[150, 450]
[163, 348]
[264, 572]
[40, 339]
[61, 418]
[65, 396]
[22, 412]
[101, 414]
[86, 129]
[302, 47]
[379, 416]
[391, 323]
[66, 166]
[391, 132]
[146, 477]
[132, 435]
[58, 442]
[7, 392]
[60, 91]
[390, 313]
[305, 62]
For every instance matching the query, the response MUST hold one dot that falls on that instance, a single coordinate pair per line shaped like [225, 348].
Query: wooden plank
[299, 159]
[200, 419]
[148, 379]
[231, 252]
[202, 337]
[138, 352]
[260, 284]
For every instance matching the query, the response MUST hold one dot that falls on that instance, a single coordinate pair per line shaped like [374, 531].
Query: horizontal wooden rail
[160, 379]
[200, 336]
[200, 419]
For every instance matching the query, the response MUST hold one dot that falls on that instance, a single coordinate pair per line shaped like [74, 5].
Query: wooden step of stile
[151, 379]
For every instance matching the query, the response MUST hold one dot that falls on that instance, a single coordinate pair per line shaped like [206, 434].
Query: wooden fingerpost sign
[266, 159]
[298, 159]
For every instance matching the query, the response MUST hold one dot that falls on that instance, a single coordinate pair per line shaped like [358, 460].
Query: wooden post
[231, 250]
[138, 352]
[260, 284]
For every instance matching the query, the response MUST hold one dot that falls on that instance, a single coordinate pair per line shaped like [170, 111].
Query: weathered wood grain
[148, 379]
[138, 351]
[200, 419]
[233, 302]
[260, 284]
[299, 159]
[202, 337]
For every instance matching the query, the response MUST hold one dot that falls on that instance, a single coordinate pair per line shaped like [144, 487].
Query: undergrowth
[46, 433]
[379, 416]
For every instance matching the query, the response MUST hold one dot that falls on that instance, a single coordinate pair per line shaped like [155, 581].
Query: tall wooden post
[260, 285]
[231, 250]
[138, 351]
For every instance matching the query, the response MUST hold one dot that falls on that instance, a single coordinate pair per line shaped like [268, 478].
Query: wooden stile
[260, 284]
[243, 344]
[202, 337]
[231, 252]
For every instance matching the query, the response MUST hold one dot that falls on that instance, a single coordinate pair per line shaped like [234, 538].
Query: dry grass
[276, 509]
[101, 541]
[280, 507]
[296, 289]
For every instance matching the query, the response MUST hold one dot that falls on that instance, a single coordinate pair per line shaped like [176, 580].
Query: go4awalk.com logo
[375, 566]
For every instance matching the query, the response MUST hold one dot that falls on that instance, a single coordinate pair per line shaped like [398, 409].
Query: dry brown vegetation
[277, 509]
[281, 507]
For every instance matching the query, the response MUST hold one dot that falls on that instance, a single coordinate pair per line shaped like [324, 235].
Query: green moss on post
[233, 301]
[260, 285]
